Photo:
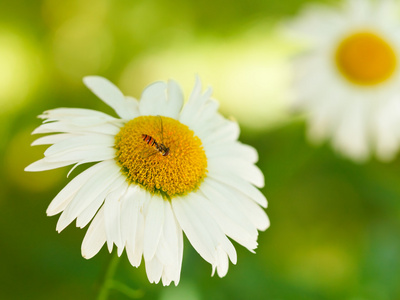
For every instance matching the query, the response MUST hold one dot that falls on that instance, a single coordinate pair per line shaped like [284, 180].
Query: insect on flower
[160, 147]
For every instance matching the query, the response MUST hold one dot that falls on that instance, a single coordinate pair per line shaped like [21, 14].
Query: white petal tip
[36, 131]
[86, 255]
[197, 79]
[33, 168]
[94, 81]
[260, 185]
[88, 79]
[50, 212]
[61, 226]
[264, 204]
[176, 282]
[266, 225]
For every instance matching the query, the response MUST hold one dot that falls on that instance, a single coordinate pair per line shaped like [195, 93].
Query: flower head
[349, 81]
[161, 168]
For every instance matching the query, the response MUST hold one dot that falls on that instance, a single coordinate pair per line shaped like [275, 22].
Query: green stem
[108, 278]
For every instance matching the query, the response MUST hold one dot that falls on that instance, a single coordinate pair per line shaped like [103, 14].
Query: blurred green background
[335, 230]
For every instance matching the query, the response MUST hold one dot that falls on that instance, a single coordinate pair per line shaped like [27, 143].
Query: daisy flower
[161, 168]
[348, 83]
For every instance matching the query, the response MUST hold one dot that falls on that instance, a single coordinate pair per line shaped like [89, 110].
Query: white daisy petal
[223, 262]
[170, 247]
[233, 150]
[135, 250]
[192, 110]
[239, 168]
[70, 144]
[175, 100]
[111, 95]
[200, 239]
[351, 134]
[153, 226]
[95, 236]
[227, 132]
[229, 216]
[162, 99]
[153, 99]
[84, 154]
[173, 272]
[172, 234]
[253, 212]
[385, 135]
[59, 202]
[163, 169]
[75, 113]
[130, 204]
[165, 279]
[202, 231]
[131, 106]
[44, 165]
[90, 211]
[154, 270]
[104, 128]
[100, 183]
[82, 122]
[196, 90]
[52, 139]
[112, 217]
[240, 185]
[220, 239]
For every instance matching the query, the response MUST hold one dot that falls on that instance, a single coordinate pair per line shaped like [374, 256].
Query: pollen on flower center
[365, 58]
[141, 151]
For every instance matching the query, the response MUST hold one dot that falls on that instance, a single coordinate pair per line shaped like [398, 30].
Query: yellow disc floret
[365, 58]
[141, 148]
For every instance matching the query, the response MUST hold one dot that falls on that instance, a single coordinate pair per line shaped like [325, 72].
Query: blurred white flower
[348, 83]
[162, 168]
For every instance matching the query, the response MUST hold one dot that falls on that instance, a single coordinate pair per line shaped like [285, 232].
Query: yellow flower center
[162, 155]
[365, 59]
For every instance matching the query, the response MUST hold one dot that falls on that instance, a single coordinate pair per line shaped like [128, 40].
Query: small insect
[160, 147]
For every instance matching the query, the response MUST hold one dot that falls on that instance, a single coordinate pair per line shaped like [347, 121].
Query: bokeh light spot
[21, 70]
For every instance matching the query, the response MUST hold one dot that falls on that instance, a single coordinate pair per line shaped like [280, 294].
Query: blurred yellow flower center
[365, 58]
[162, 155]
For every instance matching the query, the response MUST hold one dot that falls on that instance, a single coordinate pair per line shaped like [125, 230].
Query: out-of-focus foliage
[335, 230]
